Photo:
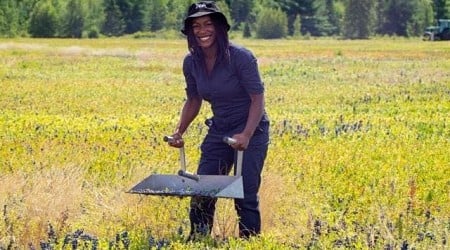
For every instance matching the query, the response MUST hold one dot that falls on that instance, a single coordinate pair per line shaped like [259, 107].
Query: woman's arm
[188, 113]
[255, 114]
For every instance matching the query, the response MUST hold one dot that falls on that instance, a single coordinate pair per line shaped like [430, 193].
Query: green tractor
[439, 32]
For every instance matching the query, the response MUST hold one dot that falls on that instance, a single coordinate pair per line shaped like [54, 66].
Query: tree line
[350, 19]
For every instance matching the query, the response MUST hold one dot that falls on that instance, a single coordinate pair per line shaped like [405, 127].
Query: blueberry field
[359, 155]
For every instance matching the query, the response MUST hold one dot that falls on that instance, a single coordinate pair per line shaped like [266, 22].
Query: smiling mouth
[204, 39]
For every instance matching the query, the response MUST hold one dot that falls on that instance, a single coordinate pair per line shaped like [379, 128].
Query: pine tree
[137, 18]
[9, 18]
[43, 21]
[332, 16]
[398, 14]
[297, 26]
[240, 11]
[74, 19]
[325, 18]
[94, 18]
[422, 17]
[247, 33]
[114, 24]
[176, 11]
[441, 9]
[272, 23]
[132, 12]
[157, 15]
[357, 20]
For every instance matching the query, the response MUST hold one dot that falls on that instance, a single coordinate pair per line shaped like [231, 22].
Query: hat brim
[200, 13]
[204, 13]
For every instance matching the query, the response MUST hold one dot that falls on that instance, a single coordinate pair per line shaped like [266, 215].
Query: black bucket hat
[203, 8]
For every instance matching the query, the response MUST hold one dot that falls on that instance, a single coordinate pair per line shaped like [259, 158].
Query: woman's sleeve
[247, 69]
[191, 86]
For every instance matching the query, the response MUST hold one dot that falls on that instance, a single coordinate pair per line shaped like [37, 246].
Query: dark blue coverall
[227, 89]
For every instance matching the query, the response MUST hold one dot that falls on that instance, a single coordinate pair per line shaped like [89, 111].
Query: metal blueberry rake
[188, 184]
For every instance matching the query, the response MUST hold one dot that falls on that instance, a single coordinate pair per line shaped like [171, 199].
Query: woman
[227, 77]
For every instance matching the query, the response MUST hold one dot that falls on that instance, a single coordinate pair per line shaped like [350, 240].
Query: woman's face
[204, 31]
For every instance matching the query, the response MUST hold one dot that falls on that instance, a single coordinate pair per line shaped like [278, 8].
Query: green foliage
[323, 21]
[176, 11]
[358, 19]
[397, 15]
[297, 26]
[319, 17]
[125, 9]
[157, 14]
[247, 32]
[44, 20]
[74, 19]
[240, 11]
[441, 9]
[271, 23]
[137, 18]
[114, 23]
[9, 19]
[307, 9]
[422, 18]
[404, 18]
[94, 17]
[331, 25]
[93, 33]
[133, 14]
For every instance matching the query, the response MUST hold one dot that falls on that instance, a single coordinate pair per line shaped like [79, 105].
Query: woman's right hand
[175, 140]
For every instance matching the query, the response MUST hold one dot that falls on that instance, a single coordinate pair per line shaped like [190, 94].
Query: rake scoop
[188, 184]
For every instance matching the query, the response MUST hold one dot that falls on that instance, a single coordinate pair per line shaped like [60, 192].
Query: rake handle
[240, 155]
[168, 138]
[182, 171]
[229, 140]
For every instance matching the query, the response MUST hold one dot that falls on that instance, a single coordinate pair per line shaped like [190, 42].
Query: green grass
[359, 154]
